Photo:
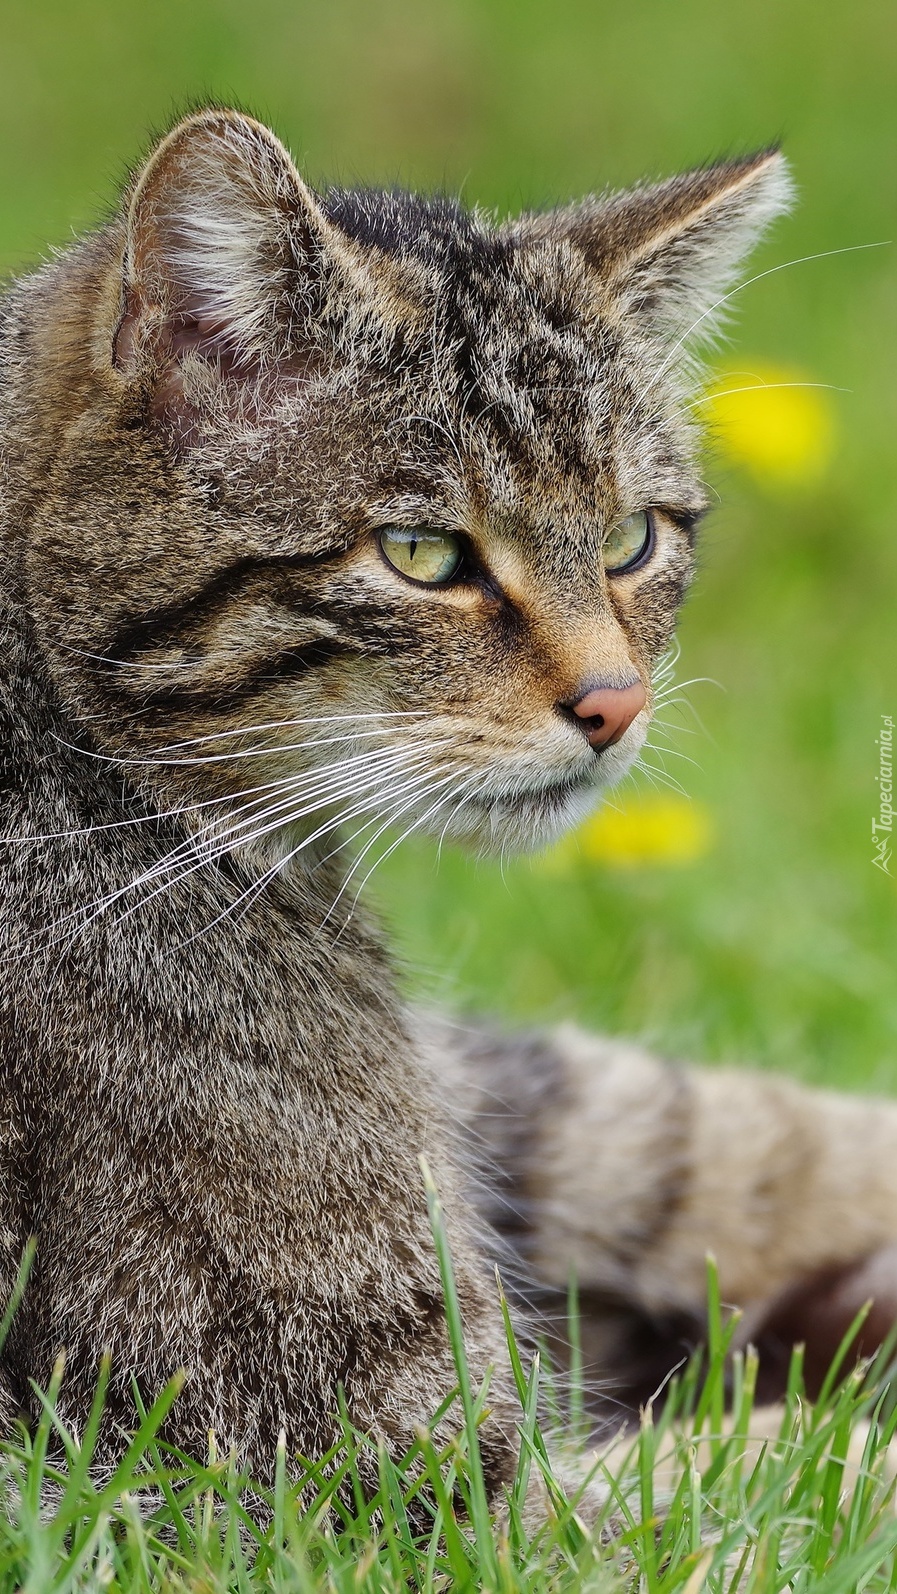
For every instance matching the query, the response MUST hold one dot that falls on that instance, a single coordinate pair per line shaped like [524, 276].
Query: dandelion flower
[647, 831]
[774, 421]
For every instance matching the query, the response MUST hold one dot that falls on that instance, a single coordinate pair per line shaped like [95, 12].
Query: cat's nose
[605, 713]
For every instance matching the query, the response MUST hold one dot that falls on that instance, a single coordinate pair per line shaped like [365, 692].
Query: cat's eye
[422, 553]
[629, 543]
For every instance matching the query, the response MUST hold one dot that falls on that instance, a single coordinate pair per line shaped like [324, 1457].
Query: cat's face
[369, 494]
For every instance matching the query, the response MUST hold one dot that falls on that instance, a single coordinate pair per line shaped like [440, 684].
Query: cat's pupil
[430, 557]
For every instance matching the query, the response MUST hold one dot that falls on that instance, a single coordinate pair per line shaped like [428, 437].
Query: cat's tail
[594, 1158]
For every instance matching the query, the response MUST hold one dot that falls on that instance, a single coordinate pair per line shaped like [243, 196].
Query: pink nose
[608, 711]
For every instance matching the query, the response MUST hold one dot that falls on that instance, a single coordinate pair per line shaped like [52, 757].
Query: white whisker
[761, 387]
[758, 276]
[309, 719]
[266, 826]
[281, 783]
[258, 886]
[658, 724]
[472, 784]
[661, 776]
[154, 761]
[394, 815]
[670, 752]
[196, 851]
[680, 686]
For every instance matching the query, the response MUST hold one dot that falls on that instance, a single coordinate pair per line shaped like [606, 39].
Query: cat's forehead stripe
[518, 364]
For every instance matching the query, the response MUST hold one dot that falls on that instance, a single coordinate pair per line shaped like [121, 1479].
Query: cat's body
[213, 654]
[195, 1188]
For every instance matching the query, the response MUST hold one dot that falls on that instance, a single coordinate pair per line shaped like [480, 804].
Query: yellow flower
[647, 830]
[774, 421]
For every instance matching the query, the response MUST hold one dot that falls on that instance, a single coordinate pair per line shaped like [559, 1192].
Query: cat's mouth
[526, 807]
[555, 795]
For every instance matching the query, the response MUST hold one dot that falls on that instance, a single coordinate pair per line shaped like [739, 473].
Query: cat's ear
[667, 253]
[229, 252]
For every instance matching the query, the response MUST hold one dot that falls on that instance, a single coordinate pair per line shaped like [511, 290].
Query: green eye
[629, 543]
[422, 554]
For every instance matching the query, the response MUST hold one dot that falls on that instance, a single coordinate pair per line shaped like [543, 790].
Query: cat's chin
[523, 821]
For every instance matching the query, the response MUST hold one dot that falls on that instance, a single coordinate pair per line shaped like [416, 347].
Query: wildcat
[322, 513]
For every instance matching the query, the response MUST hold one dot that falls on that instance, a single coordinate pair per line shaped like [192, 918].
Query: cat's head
[366, 506]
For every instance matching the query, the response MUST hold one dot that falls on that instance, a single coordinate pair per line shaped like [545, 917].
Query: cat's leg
[599, 1159]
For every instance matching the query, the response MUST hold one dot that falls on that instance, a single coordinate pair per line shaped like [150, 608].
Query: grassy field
[739, 919]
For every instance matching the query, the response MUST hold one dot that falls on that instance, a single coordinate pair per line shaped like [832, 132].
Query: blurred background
[734, 914]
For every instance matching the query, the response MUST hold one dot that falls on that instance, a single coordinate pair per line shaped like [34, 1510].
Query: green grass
[779, 946]
[689, 1503]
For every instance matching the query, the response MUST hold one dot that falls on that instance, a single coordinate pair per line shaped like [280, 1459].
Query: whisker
[155, 761]
[671, 752]
[658, 724]
[452, 775]
[214, 844]
[265, 825]
[660, 775]
[122, 664]
[280, 783]
[345, 779]
[472, 785]
[761, 387]
[680, 728]
[648, 771]
[680, 686]
[309, 719]
[758, 276]
[293, 783]
[422, 818]
[253, 891]
[667, 662]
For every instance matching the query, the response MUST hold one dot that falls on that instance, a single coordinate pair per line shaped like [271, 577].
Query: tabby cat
[323, 513]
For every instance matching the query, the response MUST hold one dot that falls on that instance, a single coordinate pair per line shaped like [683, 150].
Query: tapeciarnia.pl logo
[883, 826]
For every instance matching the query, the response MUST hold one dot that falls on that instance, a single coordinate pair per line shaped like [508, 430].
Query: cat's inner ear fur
[220, 227]
[230, 266]
[666, 254]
